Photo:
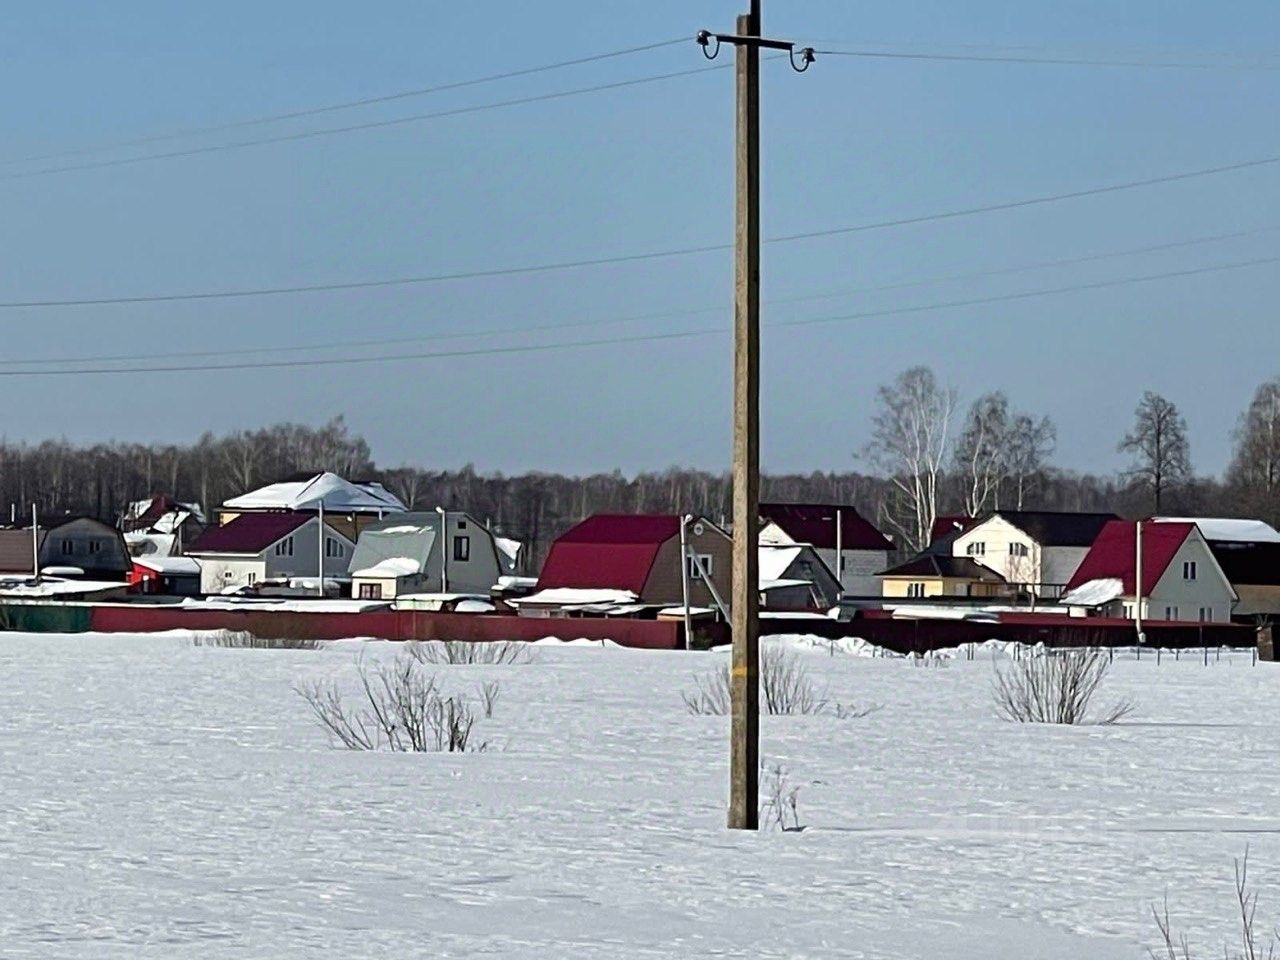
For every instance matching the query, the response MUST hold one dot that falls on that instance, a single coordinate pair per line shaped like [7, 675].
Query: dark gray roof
[1051, 528]
[932, 565]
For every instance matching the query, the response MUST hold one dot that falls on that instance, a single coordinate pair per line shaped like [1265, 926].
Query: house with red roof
[255, 547]
[625, 563]
[1181, 578]
[828, 528]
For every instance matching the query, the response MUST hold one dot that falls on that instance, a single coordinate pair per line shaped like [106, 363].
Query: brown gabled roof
[933, 565]
[15, 550]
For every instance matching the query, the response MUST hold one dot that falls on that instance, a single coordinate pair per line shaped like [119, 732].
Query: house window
[1017, 549]
[370, 591]
[251, 579]
[915, 590]
[462, 548]
[462, 524]
[1206, 614]
[285, 547]
[1171, 613]
[705, 560]
[334, 548]
[1189, 570]
[95, 546]
[68, 547]
[1128, 611]
[978, 549]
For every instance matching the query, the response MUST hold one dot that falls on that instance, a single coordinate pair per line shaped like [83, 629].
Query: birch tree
[909, 445]
[1255, 466]
[1028, 446]
[980, 455]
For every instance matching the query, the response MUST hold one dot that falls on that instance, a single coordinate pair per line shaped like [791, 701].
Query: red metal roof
[248, 533]
[1114, 553]
[608, 551]
[815, 523]
[950, 524]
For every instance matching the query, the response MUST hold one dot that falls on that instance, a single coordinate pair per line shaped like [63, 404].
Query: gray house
[88, 545]
[407, 553]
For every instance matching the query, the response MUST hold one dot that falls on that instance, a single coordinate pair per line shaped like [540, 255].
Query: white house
[1249, 553]
[864, 550]
[794, 577]
[1181, 579]
[1037, 552]
[407, 554]
[267, 546]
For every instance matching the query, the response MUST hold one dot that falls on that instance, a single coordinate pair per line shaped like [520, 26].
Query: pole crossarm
[704, 39]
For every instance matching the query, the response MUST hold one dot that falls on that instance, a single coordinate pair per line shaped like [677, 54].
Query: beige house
[1036, 552]
[938, 575]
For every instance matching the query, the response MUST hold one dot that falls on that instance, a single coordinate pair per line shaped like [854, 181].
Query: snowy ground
[159, 800]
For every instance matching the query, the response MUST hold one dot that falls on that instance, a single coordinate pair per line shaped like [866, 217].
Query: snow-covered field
[159, 800]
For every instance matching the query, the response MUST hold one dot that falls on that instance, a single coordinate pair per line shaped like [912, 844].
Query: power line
[383, 358]
[367, 125]
[1059, 61]
[636, 257]
[636, 318]
[646, 338]
[1029, 294]
[349, 104]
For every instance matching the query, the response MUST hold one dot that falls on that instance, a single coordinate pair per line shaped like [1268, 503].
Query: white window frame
[284, 548]
[1206, 614]
[916, 589]
[1189, 570]
[707, 562]
[977, 548]
[334, 548]
[1018, 550]
[1171, 613]
[461, 548]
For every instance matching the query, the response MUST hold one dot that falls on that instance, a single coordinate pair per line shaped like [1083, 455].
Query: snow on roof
[337, 495]
[575, 597]
[474, 606]
[390, 567]
[52, 587]
[775, 559]
[510, 550]
[1095, 593]
[1220, 529]
[781, 584]
[169, 565]
[678, 611]
[143, 544]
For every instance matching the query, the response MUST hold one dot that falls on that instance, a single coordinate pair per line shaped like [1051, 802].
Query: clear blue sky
[628, 171]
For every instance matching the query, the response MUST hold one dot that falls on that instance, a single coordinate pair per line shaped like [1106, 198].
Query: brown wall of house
[663, 585]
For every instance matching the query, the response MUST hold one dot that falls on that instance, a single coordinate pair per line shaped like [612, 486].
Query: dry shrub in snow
[488, 692]
[448, 652]
[240, 639]
[399, 707]
[1057, 687]
[785, 690]
[779, 808]
[1253, 944]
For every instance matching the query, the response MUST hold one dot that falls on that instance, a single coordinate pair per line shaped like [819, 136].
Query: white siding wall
[1208, 590]
[995, 537]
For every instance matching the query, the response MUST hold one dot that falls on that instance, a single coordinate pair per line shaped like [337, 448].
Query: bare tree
[981, 451]
[1158, 442]
[909, 444]
[1254, 472]
[1028, 446]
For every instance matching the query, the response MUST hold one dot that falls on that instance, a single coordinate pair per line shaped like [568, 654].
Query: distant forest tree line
[927, 457]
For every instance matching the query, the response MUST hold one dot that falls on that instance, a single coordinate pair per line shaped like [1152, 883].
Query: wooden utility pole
[744, 751]
[744, 754]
